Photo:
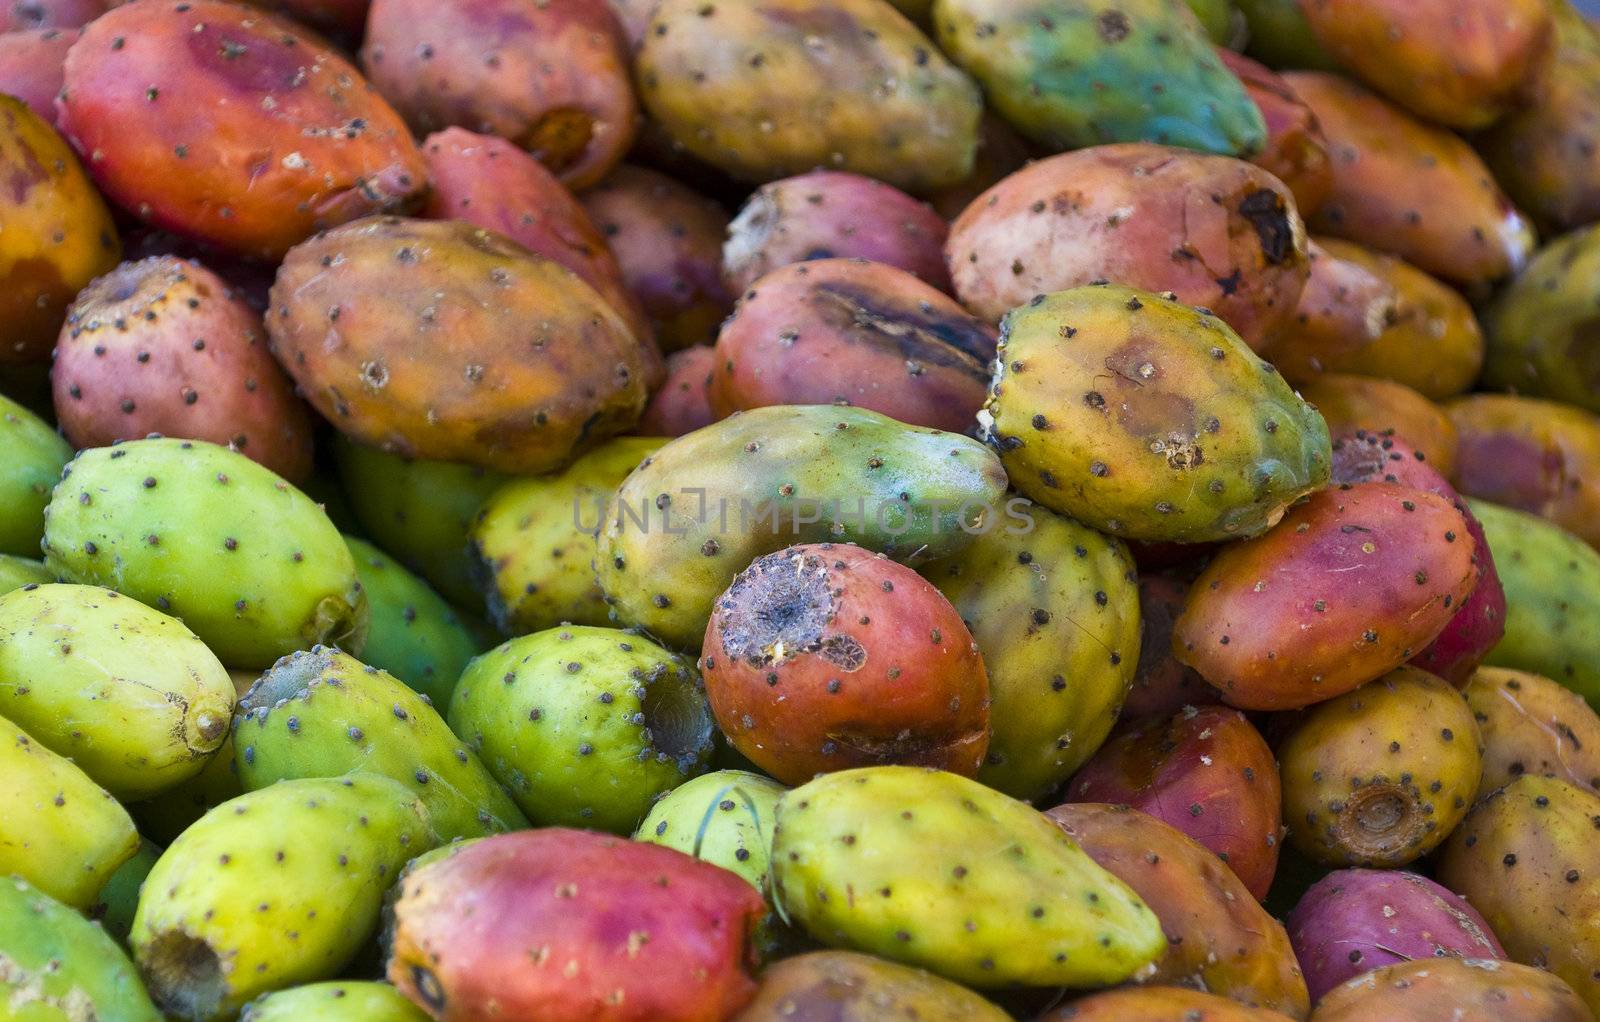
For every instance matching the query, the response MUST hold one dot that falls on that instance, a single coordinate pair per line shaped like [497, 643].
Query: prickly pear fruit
[31, 459]
[325, 714]
[850, 987]
[1381, 775]
[16, 572]
[1526, 858]
[846, 84]
[935, 870]
[30, 66]
[58, 829]
[1541, 326]
[1295, 152]
[20, 15]
[1350, 403]
[129, 695]
[560, 924]
[825, 657]
[1280, 37]
[1144, 418]
[177, 525]
[584, 726]
[58, 965]
[1532, 725]
[535, 540]
[334, 1001]
[276, 887]
[1075, 74]
[117, 901]
[411, 631]
[1205, 771]
[1162, 685]
[698, 511]
[1459, 989]
[1352, 583]
[1532, 455]
[682, 404]
[170, 813]
[1218, 937]
[1159, 1004]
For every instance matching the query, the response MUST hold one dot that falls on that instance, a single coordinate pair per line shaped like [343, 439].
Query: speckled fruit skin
[1219, 938]
[21, 15]
[1526, 858]
[1462, 990]
[1542, 340]
[1147, 419]
[1350, 403]
[444, 341]
[1161, 684]
[253, 132]
[827, 214]
[1379, 776]
[334, 1001]
[32, 456]
[1352, 583]
[61, 233]
[615, 931]
[1532, 725]
[849, 987]
[1355, 920]
[682, 404]
[164, 345]
[1204, 770]
[1159, 1004]
[846, 84]
[1218, 233]
[848, 331]
[826, 657]
[1295, 153]
[1409, 188]
[981, 888]
[16, 572]
[30, 66]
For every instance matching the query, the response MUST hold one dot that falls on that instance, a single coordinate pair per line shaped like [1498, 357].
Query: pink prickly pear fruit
[30, 66]
[1162, 685]
[683, 403]
[26, 15]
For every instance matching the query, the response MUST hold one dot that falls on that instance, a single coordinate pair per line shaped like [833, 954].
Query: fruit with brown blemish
[1460, 989]
[846, 986]
[1532, 725]
[1350, 403]
[682, 404]
[1295, 153]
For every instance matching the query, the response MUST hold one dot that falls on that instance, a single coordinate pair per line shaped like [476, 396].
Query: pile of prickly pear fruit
[799, 510]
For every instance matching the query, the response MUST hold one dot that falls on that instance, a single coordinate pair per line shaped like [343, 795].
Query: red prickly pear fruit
[1162, 685]
[1356, 920]
[824, 657]
[1352, 583]
[25, 15]
[683, 403]
[569, 924]
[30, 66]
[1159, 1004]
[1205, 771]
[1457, 989]
[1296, 151]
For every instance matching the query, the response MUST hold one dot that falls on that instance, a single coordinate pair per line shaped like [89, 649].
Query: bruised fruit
[1295, 152]
[1162, 685]
[1159, 1004]
[30, 66]
[252, 133]
[1544, 332]
[1532, 725]
[1461, 990]
[1383, 407]
[682, 404]
[334, 1001]
[31, 459]
[848, 987]
[411, 631]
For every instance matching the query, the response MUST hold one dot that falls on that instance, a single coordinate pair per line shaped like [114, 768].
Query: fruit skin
[421, 344]
[846, 84]
[584, 726]
[49, 197]
[1463, 65]
[698, 511]
[1379, 776]
[1525, 858]
[323, 713]
[1218, 233]
[20, 15]
[1295, 151]
[851, 987]
[1001, 152]
[550, 77]
[830, 214]
[130, 695]
[848, 331]
[1147, 419]
[317, 852]
[1463, 990]
[176, 524]
[1532, 725]
[58, 829]
[32, 459]
[955, 907]
[1159, 1004]
[411, 631]
[59, 965]
[1350, 403]
[1052, 606]
[334, 1001]
[1409, 188]
[164, 345]
[1161, 684]
[30, 66]
[1070, 75]
[667, 239]
[1355, 920]
[117, 901]
[1204, 771]
[682, 404]
[1219, 939]
[1541, 326]
[825, 657]
[630, 931]
[1351, 584]
[16, 572]
[1279, 35]
[294, 139]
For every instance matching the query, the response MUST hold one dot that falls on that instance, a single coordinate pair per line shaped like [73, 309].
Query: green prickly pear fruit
[167, 815]
[16, 572]
[534, 539]
[1526, 858]
[324, 713]
[56, 965]
[411, 631]
[1147, 419]
[31, 459]
[58, 830]
[181, 525]
[935, 870]
[698, 511]
[276, 887]
[584, 726]
[1069, 73]
[1280, 36]
[1054, 608]
[129, 694]
[1540, 327]
[334, 1001]
[114, 906]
